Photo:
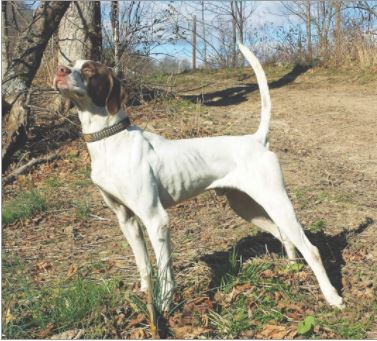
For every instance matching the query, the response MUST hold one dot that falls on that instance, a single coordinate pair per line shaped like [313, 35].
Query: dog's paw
[337, 302]
[143, 286]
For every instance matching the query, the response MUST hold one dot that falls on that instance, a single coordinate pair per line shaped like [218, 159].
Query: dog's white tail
[264, 124]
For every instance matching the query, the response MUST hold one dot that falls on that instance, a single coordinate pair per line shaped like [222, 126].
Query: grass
[252, 308]
[82, 209]
[306, 198]
[80, 304]
[23, 206]
[53, 182]
[179, 106]
[317, 226]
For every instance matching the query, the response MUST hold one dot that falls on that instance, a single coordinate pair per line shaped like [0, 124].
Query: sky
[266, 12]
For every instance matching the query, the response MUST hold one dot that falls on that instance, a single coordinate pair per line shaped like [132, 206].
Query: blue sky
[266, 12]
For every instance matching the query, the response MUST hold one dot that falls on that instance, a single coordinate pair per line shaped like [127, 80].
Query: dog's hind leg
[248, 209]
[266, 187]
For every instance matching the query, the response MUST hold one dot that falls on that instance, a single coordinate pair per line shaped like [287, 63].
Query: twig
[11, 177]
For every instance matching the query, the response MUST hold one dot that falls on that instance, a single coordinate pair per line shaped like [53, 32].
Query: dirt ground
[323, 129]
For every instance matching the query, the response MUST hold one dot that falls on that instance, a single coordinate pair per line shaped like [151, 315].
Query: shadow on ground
[330, 248]
[238, 94]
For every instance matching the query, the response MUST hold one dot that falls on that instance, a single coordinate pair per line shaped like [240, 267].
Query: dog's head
[89, 83]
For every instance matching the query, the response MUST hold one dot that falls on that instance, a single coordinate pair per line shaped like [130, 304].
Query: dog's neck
[96, 118]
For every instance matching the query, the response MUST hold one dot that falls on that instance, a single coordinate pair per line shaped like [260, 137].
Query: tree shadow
[238, 94]
[330, 248]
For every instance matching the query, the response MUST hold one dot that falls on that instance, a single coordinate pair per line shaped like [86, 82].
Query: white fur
[141, 174]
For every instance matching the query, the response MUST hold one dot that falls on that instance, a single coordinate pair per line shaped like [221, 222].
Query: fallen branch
[23, 169]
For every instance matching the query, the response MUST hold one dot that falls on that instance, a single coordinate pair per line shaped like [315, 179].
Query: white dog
[141, 174]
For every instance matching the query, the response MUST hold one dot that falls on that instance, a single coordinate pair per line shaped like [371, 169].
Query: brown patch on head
[102, 87]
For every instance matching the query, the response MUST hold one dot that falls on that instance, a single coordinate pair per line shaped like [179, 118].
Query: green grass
[306, 197]
[53, 182]
[180, 106]
[23, 206]
[82, 209]
[80, 304]
[230, 321]
[317, 226]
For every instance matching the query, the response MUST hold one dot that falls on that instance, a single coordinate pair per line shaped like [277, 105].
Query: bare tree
[303, 10]
[21, 71]
[219, 39]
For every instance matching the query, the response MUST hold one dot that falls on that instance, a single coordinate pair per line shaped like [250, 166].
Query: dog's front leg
[131, 229]
[157, 224]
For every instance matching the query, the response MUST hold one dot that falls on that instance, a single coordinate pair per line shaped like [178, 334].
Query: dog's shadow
[236, 95]
[330, 248]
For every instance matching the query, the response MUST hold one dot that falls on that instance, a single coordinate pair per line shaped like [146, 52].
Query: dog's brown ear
[103, 87]
[116, 96]
[99, 82]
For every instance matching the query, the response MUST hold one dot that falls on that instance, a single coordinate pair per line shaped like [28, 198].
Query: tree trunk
[194, 43]
[234, 34]
[337, 28]
[21, 71]
[115, 31]
[5, 38]
[309, 32]
[80, 32]
[204, 38]
[241, 25]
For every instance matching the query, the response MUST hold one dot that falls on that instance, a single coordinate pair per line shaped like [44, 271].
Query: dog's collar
[107, 132]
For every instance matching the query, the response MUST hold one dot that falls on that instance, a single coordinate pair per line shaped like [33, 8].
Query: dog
[140, 174]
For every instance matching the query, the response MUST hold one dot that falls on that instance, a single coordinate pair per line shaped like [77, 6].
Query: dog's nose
[63, 71]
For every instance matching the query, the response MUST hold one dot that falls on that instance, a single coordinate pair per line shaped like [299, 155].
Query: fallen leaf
[8, 317]
[200, 304]
[68, 335]
[306, 325]
[267, 273]
[47, 330]
[271, 331]
[240, 289]
[43, 266]
[189, 332]
[138, 334]
[139, 318]
[71, 270]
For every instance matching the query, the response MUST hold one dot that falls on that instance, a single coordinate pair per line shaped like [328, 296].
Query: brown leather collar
[107, 132]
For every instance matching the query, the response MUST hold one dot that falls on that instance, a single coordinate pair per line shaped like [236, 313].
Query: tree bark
[115, 31]
[5, 38]
[337, 30]
[204, 39]
[309, 32]
[80, 32]
[194, 43]
[234, 34]
[21, 71]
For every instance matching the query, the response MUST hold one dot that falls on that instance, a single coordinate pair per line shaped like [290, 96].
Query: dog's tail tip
[263, 128]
